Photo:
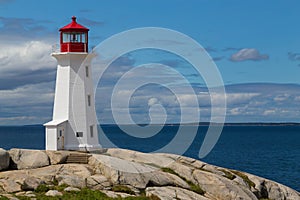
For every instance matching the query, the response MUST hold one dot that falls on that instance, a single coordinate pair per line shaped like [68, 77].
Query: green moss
[154, 197]
[86, 194]
[139, 198]
[122, 188]
[244, 177]
[55, 181]
[23, 198]
[169, 170]
[42, 188]
[61, 187]
[228, 174]
[202, 169]
[193, 187]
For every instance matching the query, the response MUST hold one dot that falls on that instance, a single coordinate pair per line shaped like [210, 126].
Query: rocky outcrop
[170, 193]
[120, 172]
[57, 157]
[28, 159]
[4, 159]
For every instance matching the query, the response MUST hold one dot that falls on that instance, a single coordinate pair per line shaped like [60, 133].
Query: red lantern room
[74, 37]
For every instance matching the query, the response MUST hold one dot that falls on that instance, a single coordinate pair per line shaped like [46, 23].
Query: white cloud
[281, 97]
[248, 54]
[29, 104]
[152, 101]
[31, 55]
[269, 112]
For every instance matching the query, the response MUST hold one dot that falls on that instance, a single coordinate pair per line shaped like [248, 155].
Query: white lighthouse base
[60, 136]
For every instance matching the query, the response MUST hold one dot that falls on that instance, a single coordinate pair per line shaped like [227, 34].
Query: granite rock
[28, 159]
[4, 159]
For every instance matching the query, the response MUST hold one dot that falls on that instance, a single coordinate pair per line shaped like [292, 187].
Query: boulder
[31, 183]
[57, 157]
[280, 192]
[97, 182]
[117, 195]
[220, 187]
[4, 159]
[269, 189]
[28, 159]
[30, 194]
[183, 170]
[46, 174]
[71, 189]
[9, 196]
[53, 193]
[81, 170]
[138, 175]
[73, 175]
[170, 193]
[10, 186]
[74, 181]
[159, 160]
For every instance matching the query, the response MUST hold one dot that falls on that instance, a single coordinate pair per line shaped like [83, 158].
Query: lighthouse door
[60, 139]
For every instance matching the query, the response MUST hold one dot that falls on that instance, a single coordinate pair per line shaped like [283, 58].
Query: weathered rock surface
[57, 157]
[71, 189]
[120, 171]
[53, 193]
[4, 159]
[170, 193]
[165, 176]
[28, 159]
[31, 183]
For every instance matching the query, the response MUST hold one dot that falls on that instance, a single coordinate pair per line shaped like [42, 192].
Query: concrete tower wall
[74, 103]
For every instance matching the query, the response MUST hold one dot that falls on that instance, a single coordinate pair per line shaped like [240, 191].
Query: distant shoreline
[225, 124]
[193, 124]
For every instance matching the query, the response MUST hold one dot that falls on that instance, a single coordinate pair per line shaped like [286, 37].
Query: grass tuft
[122, 188]
[228, 175]
[244, 177]
[154, 197]
[169, 170]
[42, 188]
[193, 187]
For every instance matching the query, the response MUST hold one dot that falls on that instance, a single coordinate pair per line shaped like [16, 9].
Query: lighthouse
[74, 123]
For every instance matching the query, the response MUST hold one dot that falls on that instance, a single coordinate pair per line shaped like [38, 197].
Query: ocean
[272, 152]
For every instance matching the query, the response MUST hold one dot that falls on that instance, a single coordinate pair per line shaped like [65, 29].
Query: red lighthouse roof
[74, 26]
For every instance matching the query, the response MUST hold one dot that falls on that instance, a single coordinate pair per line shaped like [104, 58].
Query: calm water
[269, 151]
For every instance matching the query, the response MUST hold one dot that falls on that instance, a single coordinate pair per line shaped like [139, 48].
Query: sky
[254, 44]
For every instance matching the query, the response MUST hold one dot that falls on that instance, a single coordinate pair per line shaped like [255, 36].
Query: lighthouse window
[79, 134]
[66, 37]
[83, 37]
[87, 71]
[89, 100]
[73, 37]
[92, 131]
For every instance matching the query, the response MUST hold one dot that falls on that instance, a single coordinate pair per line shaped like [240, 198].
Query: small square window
[79, 134]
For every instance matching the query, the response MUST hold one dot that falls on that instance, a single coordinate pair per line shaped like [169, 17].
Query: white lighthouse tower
[74, 123]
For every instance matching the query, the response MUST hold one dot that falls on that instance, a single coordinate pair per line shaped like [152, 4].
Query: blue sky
[255, 45]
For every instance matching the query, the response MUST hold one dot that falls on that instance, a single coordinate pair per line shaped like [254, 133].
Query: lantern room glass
[74, 37]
